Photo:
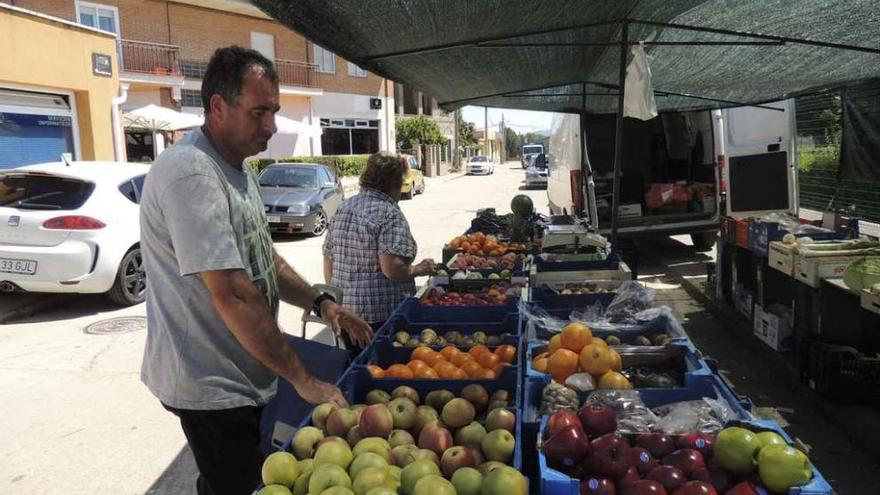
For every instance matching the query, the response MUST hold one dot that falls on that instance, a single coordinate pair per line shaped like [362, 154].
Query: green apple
[301, 487]
[321, 413]
[471, 434]
[337, 490]
[400, 454]
[782, 467]
[424, 416]
[375, 445]
[403, 412]
[504, 481]
[414, 472]
[467, 481]
[373, 477]
[438, 398]
[395, 471]
[433, 485]
[305, 442]
[400, 437]
[378, 397]
[280, 468]
[489, 466]
[328, 475]
[382, 490]
[405, 391]
[306, 466]
[366, 460]
[735, 449]
[274, 490]
[770, 438]
[498, 445]
[337, 453]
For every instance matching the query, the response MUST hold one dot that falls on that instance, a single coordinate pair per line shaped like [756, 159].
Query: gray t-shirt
[200, 214]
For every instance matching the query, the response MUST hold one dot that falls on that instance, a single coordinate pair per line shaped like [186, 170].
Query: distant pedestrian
[214, 349]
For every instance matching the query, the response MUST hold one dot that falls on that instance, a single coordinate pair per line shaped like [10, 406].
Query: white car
[73, 227]
[479, 165]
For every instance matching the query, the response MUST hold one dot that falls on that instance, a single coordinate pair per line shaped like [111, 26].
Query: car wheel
[320, 223]
[422, 189]
[704, 241]
[130, 286]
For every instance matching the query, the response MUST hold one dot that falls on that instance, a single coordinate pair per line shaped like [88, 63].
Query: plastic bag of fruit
[633, 416]
[705, 415]
[556, 397]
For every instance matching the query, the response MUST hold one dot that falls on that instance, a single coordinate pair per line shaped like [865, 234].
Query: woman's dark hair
[226, 72]
[384, 172]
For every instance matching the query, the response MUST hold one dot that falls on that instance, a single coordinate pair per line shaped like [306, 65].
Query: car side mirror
[329, 185]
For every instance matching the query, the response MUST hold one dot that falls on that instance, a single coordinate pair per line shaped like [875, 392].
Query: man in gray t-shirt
[214, 348]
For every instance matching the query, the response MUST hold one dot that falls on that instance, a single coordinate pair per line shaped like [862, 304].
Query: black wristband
[316, 306]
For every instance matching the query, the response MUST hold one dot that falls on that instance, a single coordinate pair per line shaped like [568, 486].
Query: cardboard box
[758, 321]
[781, 257]
[776, 328]
[870, 301]
[631, 210]
[743, 301]
[811, 270]
[622, 274]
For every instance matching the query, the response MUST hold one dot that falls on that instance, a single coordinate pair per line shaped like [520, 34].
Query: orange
[486, 374]
[376, 371]
[599, 342]
[616, 363]
[416, 365]
[444, 369]
[595, 360]
[562, 364]
[575, 336]
[488, 360]
[478, 349]
[498, 367]
[465, 246]
[421, 352]
[613, 379]
[471, 368]
[555, 343]
[540, 364]
[433, 358]
[461, 358]
[459, 374]
[427, 373]
[399, 371]
[507, 353]
[449, 352]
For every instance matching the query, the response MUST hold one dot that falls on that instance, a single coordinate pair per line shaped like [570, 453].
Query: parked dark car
[300, 197]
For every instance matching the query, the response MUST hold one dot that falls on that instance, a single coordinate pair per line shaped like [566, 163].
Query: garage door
[34, 128]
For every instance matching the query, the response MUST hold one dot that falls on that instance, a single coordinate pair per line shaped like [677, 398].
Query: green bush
[819, 158]
[342, 165]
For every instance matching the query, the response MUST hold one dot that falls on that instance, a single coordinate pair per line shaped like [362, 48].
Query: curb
[33, 307]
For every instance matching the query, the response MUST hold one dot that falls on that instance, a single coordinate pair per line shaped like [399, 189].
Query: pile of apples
[505, 263]
[393, 446]
[586, 445]
[496, 295]
[486, 245]
[451, 363]
[575, 350]
[430, 337]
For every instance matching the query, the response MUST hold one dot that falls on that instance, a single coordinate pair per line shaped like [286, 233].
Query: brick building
[164, 46]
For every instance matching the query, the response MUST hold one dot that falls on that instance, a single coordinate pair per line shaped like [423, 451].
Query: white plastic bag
[638, 102]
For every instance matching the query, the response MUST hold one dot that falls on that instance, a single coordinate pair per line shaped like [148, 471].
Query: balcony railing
[149, 58]
[301, 74]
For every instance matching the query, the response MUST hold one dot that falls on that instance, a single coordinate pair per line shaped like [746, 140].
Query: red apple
[745, 488]
[720, 479]
[609, 456]
[688, 460]
[559, 420]
[643, 487]
[631, 475]
[456, 458]
[597, 419]
[657, 444]
[702, 442]
[696, 488]
[567, 447]
[435, 438]
[642, 460]
[597, 486]
[670, 477]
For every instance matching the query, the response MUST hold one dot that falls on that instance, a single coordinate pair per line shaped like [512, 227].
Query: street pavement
[77, 419]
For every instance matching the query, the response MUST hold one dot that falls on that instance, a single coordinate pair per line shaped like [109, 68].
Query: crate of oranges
[479, 243]
[479, 362]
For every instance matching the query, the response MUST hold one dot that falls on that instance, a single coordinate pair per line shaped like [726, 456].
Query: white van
[676, 168]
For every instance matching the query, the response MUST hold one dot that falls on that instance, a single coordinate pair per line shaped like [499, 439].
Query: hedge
[342, 165]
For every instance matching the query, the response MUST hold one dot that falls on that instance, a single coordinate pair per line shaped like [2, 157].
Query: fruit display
[486, 245]
[575, 351]
[404, 444]
[579, 288]
[495, 295]
[431, 337]
[502, 264]
[589, 446]
[451, 363]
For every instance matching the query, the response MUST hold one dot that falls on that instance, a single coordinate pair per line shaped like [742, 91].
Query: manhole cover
[125, 324]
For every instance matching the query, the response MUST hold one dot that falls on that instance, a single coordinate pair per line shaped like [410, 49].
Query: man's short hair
[227, 70]
[384, 172]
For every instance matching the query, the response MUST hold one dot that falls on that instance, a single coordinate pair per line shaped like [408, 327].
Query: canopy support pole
[588, 187]
[618, 134]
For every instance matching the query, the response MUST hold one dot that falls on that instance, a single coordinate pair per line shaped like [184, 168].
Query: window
[349, 136]
[127, 190]
[325, 60]
[43, 192]
[190, 98]
[193, 68]
[414, 164]
[263, 43]
[324, 176]
[354, 70]
[103, 17]
[331, 175]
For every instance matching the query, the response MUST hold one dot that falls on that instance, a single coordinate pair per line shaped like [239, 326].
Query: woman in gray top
[369, 249]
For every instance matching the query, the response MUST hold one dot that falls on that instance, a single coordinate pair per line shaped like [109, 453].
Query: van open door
[757, 159]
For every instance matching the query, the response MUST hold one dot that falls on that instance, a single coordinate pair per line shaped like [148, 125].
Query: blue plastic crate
[762, 233]
[415, 312]
[509, 324]
[551, 300]
[612, 262]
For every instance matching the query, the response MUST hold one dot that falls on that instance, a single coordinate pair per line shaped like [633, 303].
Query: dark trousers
[226, 446]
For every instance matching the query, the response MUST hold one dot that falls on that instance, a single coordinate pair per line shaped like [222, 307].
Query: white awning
[156, 118]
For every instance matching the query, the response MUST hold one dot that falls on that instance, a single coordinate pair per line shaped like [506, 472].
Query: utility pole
[503, 140]
[486, 149]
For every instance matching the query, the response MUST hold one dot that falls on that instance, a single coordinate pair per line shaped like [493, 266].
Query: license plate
[24, 267]
[274, 219]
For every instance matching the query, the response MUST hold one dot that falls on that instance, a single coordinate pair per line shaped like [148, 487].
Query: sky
[521, 121]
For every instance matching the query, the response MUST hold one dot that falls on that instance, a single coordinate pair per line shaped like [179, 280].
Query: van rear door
[758, 156]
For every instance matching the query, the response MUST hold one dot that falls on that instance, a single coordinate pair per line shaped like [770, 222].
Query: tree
[467, 132]
[413, 131]
[512, 142]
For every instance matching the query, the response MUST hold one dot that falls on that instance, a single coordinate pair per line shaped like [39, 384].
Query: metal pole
[486, 132]
[618, 134]
[588, 188]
